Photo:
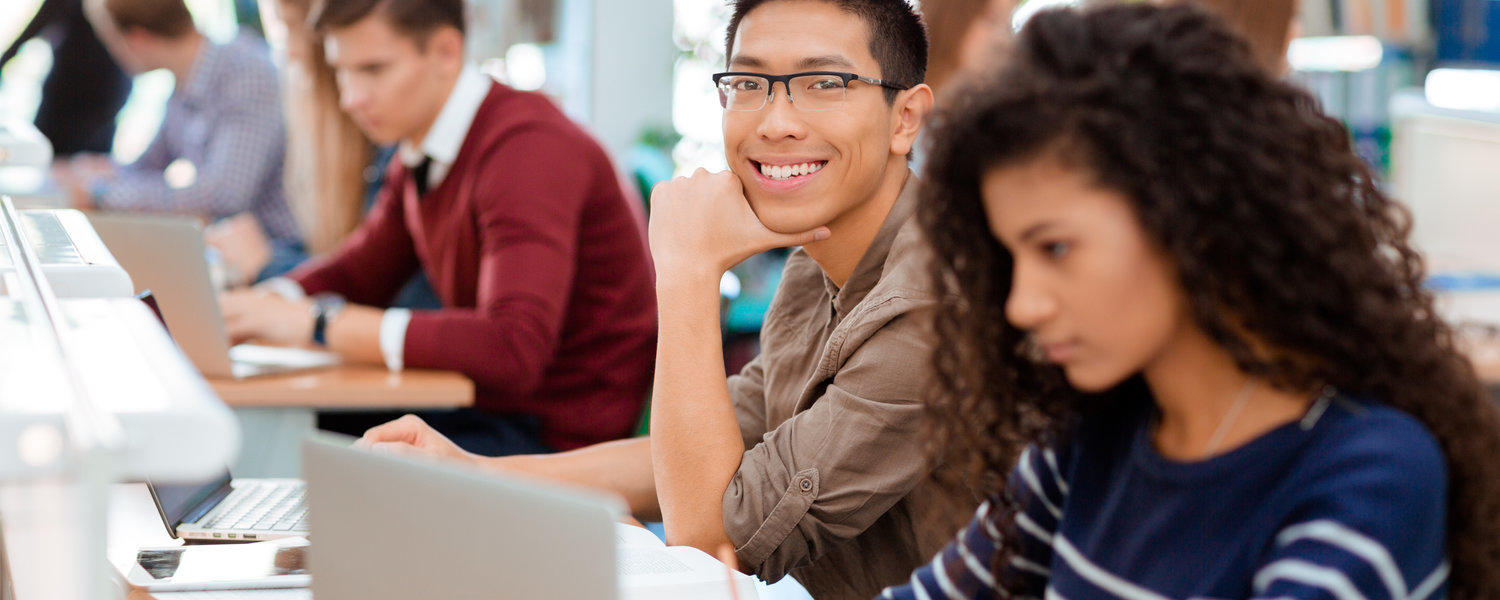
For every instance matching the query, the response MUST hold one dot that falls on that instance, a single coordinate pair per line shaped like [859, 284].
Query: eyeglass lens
[808, 92]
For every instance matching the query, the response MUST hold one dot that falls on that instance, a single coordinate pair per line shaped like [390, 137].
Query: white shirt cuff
[393, 337]
[284, 287]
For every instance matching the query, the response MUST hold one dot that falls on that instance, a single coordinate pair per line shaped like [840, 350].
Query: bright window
[696, 115]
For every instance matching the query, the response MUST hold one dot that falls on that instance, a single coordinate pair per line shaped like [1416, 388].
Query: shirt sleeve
[825, 475]
[154, 158]
[1371, 528]
[965, 568]
[530, 200]
[245, 143]
[747, 392]
[393, 337]
[375, 260]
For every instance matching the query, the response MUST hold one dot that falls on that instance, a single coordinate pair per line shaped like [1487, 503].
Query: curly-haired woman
[1186, 321]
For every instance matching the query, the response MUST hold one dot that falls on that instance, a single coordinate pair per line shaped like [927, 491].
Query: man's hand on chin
[702, 225]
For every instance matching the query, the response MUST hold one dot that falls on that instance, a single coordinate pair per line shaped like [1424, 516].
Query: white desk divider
[22, 146]
[92, 391]
[73, 259]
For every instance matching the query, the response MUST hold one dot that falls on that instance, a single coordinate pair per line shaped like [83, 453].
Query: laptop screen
[185, 502]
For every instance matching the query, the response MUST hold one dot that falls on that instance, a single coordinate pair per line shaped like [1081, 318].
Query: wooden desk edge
[349, 387]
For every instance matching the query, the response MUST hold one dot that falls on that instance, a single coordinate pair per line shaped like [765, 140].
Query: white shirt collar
[448, 131]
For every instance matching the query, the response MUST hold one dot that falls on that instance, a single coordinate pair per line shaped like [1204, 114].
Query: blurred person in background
[84, 89]
[964, 34]
[327, 166]
[514, 213]
[332, 170]
[969, 34]
[1267, 24]
[219, 150]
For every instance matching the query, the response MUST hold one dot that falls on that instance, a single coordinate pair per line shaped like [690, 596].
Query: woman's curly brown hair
[1280, 234]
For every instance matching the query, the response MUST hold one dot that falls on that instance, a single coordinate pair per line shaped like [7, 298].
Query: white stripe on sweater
[940, 574]
[980, 571]
[1026, 565]
[1308, 574]
[1029, 526]
[1030, 476]
[1098, 576]
[1051, 458]
[917, 588]
[1430, 585]
[1336, 534]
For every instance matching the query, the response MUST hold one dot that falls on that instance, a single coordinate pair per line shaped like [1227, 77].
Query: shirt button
[806, 485]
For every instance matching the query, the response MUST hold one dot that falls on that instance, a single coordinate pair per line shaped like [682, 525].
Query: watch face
[325, 306]
[328, 300]
[328, 304]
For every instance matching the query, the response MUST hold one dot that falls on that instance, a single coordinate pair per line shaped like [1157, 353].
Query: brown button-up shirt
[834, 487]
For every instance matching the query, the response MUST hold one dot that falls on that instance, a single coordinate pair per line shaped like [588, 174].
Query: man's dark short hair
[162, 18]
[415, 18]
[898, 37]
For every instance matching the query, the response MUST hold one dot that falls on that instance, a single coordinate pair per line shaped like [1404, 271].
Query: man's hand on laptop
[410, 435]
[266, 317]
[702, 225]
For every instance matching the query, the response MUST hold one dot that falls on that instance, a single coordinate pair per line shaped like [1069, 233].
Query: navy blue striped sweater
[1346, 504]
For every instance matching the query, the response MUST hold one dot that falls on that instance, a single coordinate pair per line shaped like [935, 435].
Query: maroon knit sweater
[541, 264]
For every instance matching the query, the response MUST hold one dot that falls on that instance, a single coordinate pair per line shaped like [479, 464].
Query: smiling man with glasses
[810, 461]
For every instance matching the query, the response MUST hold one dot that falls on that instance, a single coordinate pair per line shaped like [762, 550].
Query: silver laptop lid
[396, 527]
[166, 255]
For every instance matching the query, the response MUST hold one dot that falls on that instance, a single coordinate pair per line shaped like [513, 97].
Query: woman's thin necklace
[1229, 418]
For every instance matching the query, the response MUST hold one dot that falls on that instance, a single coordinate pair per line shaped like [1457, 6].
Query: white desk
[133, 523]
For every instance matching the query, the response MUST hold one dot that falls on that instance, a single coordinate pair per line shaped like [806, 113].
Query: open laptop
[167, 256]
[227, 509]
[395, 527]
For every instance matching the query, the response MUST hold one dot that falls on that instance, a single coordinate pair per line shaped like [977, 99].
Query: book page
[288, 594]
[640, 562]
[678, 572]
[630, 535]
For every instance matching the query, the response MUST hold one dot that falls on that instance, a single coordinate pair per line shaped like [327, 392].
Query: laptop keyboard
[262, 506]
[49, 239]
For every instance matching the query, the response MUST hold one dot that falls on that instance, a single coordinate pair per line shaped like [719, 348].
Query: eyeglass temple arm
[882, 83]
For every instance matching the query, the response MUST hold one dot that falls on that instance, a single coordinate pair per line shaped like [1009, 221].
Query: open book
[651, 570]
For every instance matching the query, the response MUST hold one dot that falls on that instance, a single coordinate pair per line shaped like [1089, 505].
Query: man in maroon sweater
[518, 220]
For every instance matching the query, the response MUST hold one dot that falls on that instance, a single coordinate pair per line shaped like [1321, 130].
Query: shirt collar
[872, 265]
[448, 131]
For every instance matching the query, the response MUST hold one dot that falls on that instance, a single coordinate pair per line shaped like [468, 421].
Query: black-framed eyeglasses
[809, 90]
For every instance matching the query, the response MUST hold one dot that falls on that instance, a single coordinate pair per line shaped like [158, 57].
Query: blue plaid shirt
[226, 121]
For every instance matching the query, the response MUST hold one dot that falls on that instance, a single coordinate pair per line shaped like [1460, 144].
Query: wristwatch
[326, 306]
